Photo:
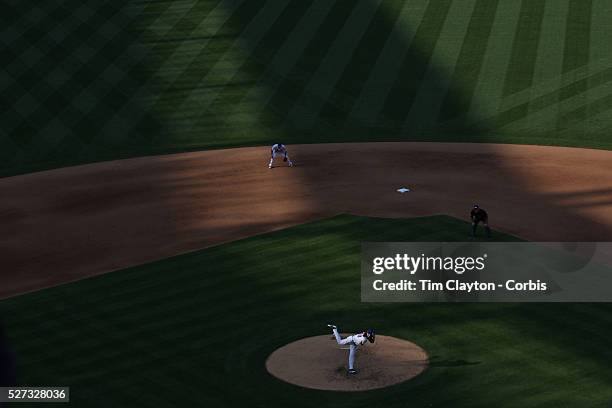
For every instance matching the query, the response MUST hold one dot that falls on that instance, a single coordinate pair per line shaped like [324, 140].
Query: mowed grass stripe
[159, 18]
[597, 117]
[577, 39]
[23, 73]
[415, 63]
[60, 54]
[153, 29]
[171, 52]
[280, 65]
[386, 67]
[547, 95]
[577, 35]
[521, 67]
[471, 57]
[577, 120]
[295, 83]
[549, 59]
[601, 31]
[185, 69]
[155, 25]
[207, 71]
[356, 71]
[546, 109]
[226, 71]
[549, 62]
[576, 55]
[121, 96]
[436, 84]
[162, 23]
[586, 108]
[252, 69]
[322, 84]
[489, 86]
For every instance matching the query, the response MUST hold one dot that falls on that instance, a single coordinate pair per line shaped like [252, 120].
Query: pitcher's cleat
[332, 326]
[352, 371]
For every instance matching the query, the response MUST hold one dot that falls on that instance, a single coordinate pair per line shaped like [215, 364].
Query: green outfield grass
[90, 81]
[195, 330]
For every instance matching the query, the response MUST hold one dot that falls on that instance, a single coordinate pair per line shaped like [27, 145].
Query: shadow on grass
[436, 361]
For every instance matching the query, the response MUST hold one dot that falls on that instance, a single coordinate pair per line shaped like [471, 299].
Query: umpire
[479, 215]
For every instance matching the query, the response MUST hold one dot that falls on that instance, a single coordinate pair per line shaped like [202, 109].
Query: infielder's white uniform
[354, 341]
[279, 149]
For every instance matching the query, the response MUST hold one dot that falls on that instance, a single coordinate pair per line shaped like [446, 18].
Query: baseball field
[151, 258]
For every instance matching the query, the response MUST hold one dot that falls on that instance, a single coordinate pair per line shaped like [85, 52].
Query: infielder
[279, 149]
[353, 341]
[479, 215]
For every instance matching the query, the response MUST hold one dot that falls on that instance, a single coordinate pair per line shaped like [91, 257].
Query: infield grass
[195, 330]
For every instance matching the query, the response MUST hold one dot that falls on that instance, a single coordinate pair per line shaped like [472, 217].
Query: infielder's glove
[284, 159]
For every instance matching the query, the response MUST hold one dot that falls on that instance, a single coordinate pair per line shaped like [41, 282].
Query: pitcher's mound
[319, 362]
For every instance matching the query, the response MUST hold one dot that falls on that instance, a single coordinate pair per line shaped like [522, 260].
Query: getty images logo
[413, 264]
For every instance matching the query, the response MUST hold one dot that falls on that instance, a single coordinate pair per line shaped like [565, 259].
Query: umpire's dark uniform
[479, 215]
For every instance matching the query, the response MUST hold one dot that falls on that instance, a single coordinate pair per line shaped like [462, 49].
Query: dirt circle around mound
[320, 363]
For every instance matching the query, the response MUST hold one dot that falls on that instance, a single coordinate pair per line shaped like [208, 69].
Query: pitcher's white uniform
[353, 341]
[279, 149]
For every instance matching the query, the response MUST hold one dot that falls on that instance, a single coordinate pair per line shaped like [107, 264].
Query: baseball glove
[284, 159]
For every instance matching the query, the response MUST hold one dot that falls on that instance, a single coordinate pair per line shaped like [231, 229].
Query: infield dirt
[70, 223]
